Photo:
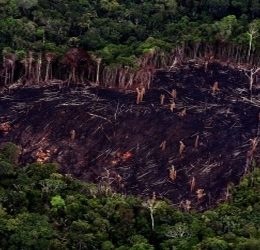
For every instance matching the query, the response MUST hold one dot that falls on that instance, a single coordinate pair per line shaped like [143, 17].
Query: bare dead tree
[181, 148]
[192, 184]
[163, 145]
[200, 194]
[254, 143]
[228, 193]
[253, 32]
[106, 181]
[250, 74]
[196, 145]
[174, 94]
[9, 67]
[251, 152]
[215, 88]
[183, 112]
[172, 173]
[74, 58]
[30, 66]
[144, 76]
[98, 61]
[174, 63]
[162, 97]
[72, 134]
[152, 204]
[49, 57]
[25, 64]
[177, 57]
[140, 95]
[172, 106]
[39, 68]
[208, 58]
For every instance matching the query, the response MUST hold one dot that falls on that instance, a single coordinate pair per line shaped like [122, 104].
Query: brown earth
[102, 135]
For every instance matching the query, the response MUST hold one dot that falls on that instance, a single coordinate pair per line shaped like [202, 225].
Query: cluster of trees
[42, 209]
[118, 32]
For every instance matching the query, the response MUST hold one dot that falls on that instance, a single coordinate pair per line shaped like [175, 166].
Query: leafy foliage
[41, 209]
[111, 26]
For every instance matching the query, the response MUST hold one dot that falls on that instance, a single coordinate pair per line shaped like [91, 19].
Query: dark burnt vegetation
[189, 153]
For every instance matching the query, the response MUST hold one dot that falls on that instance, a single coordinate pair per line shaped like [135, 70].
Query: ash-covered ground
[101, 135]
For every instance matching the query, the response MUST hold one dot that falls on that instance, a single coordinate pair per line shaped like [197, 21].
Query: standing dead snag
[106, 182]
[200, 194]
[208, 59]
[172, 173]
[251, 152]
[254, 143]
[163, 145]
[30, 66]
[196, 145]
[98, 60]
[152, 204]
[250, 74]
[119, 181]
[215, 88]
[174, 63]
[252, 33]
[49, 57]
[192, 184]
[72, 135]
[181, 148]
[174, 94]
[39, 68]
[228, 193]
[140, 95]
[172, 106]
[9, 67]
[75, 58]
[162, 97]
[183, 113]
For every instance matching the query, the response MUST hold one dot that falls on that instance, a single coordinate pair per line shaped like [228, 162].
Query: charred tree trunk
[48, 73]
[251, 76]
[9, 68]
[39, 69]
[30, 64]
[98, 60]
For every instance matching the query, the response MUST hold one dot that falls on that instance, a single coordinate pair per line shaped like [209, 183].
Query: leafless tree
[251, 73]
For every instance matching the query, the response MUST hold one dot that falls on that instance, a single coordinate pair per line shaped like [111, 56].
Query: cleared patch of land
[188, 147]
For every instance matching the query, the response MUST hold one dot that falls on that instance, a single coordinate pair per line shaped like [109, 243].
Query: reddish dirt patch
[95, 133]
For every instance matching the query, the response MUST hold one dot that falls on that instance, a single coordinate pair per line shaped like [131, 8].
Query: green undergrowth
[42, 209]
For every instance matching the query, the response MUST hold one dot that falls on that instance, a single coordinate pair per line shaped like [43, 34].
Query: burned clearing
[190, 137]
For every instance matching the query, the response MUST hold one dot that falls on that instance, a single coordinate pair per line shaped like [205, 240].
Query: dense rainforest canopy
[41, 209]
[121, 37]
[120, 30]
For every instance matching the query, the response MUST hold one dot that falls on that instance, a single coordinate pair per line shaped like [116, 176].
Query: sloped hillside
[192, 135]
